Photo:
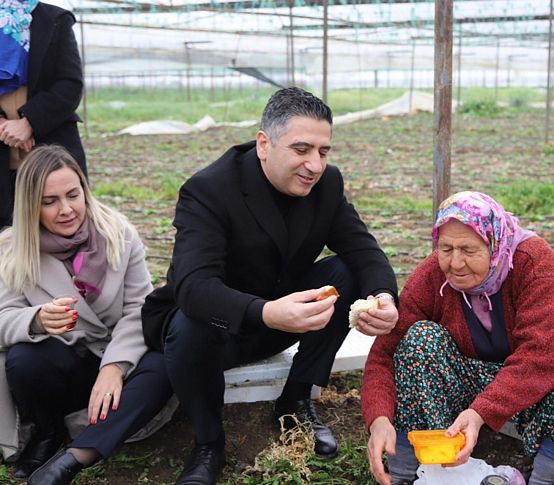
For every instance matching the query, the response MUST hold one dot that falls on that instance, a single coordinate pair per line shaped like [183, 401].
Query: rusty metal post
[549, 79]
[442, 101]
[325, 52]
[459, 86]
[85, 115]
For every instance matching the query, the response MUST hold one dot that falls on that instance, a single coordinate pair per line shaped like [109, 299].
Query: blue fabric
[402, 439]
[547, 448]
[403, 465]
[15, 41]
[13, 65]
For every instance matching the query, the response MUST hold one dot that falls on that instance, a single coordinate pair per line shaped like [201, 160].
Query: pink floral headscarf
[498, 228]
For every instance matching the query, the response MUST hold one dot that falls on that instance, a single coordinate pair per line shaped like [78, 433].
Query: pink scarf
[501, 232]
[84, 256]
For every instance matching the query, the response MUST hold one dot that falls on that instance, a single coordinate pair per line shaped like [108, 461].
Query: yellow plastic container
[432, 447]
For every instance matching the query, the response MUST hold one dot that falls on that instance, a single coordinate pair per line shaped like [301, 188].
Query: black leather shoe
[325, 443]
[204, 466]
[58, 470]
[37, 452]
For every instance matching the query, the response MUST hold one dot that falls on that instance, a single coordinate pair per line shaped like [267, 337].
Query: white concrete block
[263, 380]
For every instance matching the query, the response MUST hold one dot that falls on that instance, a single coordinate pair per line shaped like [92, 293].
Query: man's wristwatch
[386, 296]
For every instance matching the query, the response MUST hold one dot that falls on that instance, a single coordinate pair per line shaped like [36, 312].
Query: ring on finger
[108, 394]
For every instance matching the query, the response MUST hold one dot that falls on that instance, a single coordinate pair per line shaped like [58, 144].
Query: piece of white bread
[361, 306]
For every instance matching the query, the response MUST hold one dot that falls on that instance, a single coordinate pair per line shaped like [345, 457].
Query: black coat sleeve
[60, 81]
[350, 239]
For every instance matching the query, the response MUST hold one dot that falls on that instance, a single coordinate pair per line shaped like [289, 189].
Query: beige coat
[110, 327]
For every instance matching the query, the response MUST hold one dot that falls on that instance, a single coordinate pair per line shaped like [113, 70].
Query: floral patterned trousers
[435, 383]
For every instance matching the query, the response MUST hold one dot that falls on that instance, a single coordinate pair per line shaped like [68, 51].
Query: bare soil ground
[389, 161]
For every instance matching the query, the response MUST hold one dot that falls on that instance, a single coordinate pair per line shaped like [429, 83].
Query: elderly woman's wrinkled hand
[469, 423]
[382, 439]
[58, 316]
[378, 321]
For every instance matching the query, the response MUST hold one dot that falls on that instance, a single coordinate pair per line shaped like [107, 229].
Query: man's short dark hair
[287, 103]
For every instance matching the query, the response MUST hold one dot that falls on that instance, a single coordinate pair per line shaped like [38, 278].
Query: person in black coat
[43, 111]
[245, 274]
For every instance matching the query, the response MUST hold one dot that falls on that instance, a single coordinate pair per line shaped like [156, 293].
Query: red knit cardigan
[528, 300]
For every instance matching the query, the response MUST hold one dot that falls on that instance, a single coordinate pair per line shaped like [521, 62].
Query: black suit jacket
[233, 249]
[55, 85]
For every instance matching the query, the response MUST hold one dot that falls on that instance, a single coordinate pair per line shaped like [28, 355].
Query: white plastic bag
[470, 473]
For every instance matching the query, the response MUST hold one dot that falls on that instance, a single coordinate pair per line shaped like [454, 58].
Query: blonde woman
[73, 279]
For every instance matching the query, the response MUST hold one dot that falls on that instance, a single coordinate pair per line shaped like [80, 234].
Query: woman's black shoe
[59, 470]
[37, 452]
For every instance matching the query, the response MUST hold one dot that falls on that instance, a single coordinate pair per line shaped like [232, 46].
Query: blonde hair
[20, 244]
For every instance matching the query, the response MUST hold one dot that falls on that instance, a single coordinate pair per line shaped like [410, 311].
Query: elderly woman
[474, 343]
[73, 279]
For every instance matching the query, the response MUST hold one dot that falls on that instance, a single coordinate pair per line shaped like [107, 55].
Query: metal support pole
[291, 26]
[412, 68]
[442, 101]
[549, 79]
[509, 71]
[388, 68]
[287, 65]
[497, 69]
[187, 55]
[325, 52]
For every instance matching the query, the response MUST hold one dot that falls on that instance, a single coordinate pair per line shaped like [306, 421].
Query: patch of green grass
[480, 107]
[526, 197]
[515, 97]
[126, 461]
[5, 476]
[112, 109]
[350, 466]
[548, 150]
[170, 185]
[390, 251]
[163, 225]
[383, 201]
[123, 188]
[350, 100]
[280, 471]
[89, 474]
[519, 100]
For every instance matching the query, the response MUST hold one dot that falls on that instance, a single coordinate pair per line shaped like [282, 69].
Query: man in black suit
[245, 274]
[54, 89]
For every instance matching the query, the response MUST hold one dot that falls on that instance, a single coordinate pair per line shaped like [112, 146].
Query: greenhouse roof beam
[426, 22]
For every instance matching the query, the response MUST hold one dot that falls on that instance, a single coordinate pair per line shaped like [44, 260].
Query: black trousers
[50, 379]
[197, 354]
